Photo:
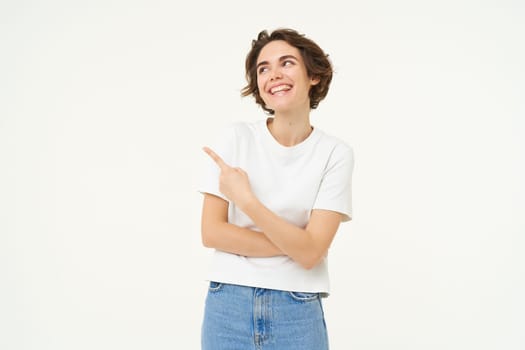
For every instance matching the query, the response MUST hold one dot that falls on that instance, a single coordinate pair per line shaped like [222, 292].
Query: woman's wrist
[249, 201]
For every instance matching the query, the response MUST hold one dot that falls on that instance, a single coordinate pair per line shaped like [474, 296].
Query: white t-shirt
[290, 181]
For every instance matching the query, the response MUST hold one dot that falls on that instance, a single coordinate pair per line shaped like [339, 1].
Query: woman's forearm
[306, 246]
[295, 241]
[238, 240]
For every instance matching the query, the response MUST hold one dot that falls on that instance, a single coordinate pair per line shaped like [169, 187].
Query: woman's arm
[306, 246]
[218, 233]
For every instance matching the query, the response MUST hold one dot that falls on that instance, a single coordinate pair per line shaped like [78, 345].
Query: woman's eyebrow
[282, 58]
[285, 57]
[262, 63]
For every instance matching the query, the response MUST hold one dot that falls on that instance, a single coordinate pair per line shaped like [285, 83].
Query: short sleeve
[224, 145]
[335, 191]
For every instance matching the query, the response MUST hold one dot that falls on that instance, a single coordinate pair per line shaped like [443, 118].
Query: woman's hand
[233, 182]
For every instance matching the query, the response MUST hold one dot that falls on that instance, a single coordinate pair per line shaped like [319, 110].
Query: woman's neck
[290, 130]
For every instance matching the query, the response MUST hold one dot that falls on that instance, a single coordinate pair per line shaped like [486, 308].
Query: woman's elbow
[307, 265]
[207, 237]
[310, 261]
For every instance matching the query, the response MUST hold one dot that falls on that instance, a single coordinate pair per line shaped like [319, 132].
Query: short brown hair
[317, 64]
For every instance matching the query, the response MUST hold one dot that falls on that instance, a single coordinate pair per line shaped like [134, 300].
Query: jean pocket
[304, 296]
[214, 286]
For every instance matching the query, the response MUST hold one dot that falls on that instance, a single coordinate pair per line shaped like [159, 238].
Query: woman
[275, 195]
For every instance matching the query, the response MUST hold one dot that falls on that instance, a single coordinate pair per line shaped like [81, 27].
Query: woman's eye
[287, 63]
[262, 70]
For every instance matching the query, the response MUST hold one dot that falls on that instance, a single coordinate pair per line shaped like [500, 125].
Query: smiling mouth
[280, 88]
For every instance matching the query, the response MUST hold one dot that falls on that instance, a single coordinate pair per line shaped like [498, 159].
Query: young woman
[274, 197]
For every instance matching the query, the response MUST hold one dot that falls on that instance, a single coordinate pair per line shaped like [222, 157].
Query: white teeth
[280, 88]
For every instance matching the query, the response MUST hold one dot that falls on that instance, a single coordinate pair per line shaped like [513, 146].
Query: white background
[104, 107]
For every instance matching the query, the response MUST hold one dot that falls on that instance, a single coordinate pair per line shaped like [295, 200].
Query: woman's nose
[275, 74]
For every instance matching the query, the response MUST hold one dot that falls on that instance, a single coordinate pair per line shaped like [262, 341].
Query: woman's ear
[314, 81]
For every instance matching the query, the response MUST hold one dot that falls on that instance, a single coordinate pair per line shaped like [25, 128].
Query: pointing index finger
[216, 158]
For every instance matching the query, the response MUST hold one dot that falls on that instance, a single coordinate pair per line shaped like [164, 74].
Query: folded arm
[307, 246]
[217, 233]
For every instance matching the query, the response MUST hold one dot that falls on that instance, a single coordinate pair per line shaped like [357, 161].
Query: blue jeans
[248, 318]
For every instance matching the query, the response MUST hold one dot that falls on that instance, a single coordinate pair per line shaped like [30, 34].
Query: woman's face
[282, 78]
